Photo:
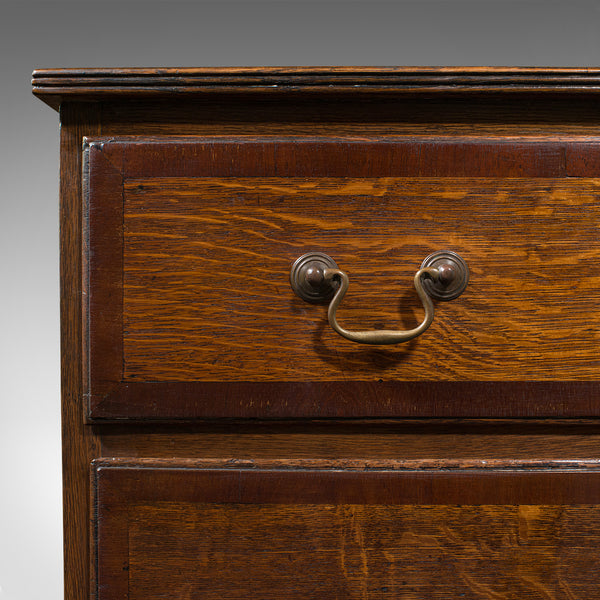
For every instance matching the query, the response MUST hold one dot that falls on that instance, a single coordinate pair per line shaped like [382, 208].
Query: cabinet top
[55, 85]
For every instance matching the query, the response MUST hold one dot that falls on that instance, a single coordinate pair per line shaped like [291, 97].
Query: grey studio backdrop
[148, 34]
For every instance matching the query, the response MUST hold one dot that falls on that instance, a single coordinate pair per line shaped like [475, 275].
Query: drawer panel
[190, 313]
[206, 532]
[206, 267]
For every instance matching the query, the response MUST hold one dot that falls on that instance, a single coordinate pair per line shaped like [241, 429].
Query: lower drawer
[318, 529]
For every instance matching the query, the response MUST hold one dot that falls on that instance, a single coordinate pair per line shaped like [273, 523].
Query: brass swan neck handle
[316, 278]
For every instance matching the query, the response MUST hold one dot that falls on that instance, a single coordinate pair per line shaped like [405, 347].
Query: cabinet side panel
[79, 445]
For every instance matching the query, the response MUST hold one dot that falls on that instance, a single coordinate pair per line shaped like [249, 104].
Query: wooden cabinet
[238, 447]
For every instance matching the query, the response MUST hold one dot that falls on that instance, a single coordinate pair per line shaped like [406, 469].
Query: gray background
[153, 34]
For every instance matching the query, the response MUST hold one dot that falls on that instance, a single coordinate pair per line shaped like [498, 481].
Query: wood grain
[180, 401]
[199, 532]
[55, 85]
[211, 227]
[413, 440]
[206, 292]
[495, 508]
[79, 444]
[102, 228]
[350, 551]
[262, 114]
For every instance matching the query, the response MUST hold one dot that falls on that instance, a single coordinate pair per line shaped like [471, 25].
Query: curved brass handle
[385, 336]
[316, 278]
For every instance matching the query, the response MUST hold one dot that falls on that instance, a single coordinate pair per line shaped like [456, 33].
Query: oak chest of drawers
[432, 434]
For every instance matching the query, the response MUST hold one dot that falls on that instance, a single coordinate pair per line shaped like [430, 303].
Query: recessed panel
[206, 292]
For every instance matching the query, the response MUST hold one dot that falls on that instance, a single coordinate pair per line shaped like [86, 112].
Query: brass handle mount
[315, 277]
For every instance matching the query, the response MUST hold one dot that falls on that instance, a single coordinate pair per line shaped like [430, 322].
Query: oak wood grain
[435, 440]
[356, 552]
[79, 443]
[206, 292]
[292, 531]
[160, 482]
[211, 227]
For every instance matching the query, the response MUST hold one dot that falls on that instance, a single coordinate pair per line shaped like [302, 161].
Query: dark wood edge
[327, 71]
[350, 464]
[92, 536]
[534, 428]
[137, 157]
[54, 85]
[101, 254]
[79, 443]
[85, 276]
[176, 401]
[123, 486]
[140, 141]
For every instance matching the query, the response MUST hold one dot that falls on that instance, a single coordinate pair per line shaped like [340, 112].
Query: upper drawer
[188, 247]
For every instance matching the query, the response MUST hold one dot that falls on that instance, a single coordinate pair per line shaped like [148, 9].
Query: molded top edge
[54, 85]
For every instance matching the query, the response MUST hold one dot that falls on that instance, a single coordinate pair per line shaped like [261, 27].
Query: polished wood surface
[354, 552]
[56, 85]
[289, 531]
[79, 443]
[206, 292]
[435, 440]
[484, 114]
[505, 495]
[197, 237]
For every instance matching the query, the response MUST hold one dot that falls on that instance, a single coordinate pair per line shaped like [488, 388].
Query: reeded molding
[55, 85]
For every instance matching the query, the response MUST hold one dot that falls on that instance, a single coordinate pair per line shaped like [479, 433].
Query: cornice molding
[55, 85]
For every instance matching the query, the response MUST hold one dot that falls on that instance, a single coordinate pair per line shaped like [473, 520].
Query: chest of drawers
[234, 444]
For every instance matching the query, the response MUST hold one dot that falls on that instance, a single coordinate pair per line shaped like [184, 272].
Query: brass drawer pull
[315, 277]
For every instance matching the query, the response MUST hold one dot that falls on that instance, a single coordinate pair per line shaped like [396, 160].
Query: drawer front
[280, 531]
[189, 311]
